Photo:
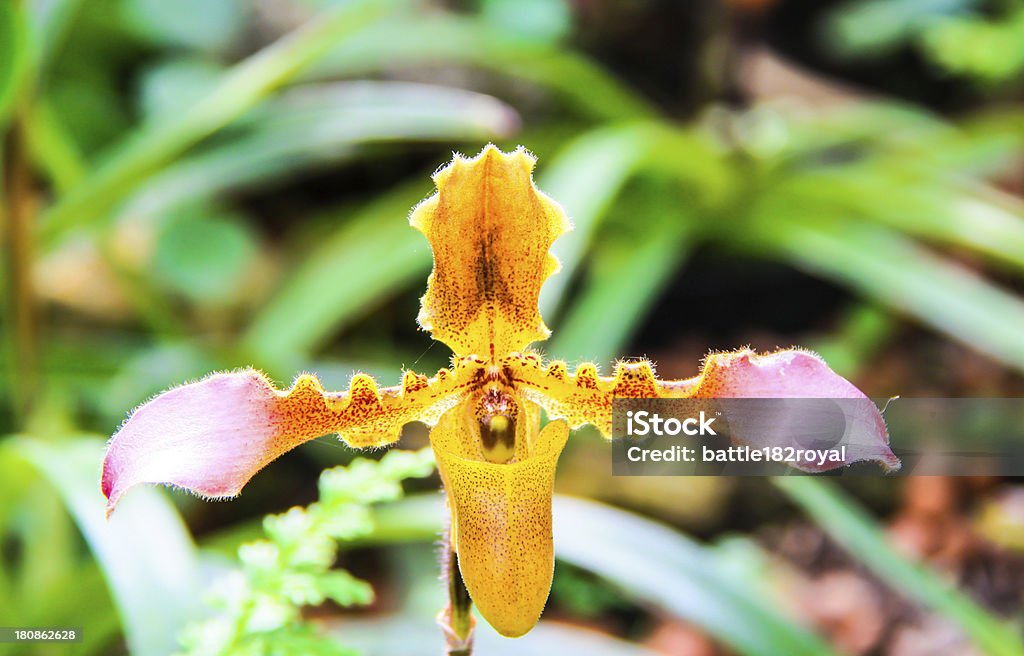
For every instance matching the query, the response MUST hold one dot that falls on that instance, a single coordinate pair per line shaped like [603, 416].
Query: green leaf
[204, 257]
[543, 20]
[210, 25]
[416, 518]
[894, 270]
[174, 85]
[50, 20]
[13, 56]
[153, 574]
[43, 560]
[418, 40]
[585, 177]
[657, 565]
[986, 221]
[986, 48]
[369, 482]
[646, 236]
[53, 148]
[623, 282]
[849, 125]
[588, 174]
[375, 247]
[851, 527]
[261, 610]
[861, 332]
[47, 546]
[344, 589]
[874, 28]
[400, 465]
[929, 206]
[318, 125]
[242, 87]
[983, 221]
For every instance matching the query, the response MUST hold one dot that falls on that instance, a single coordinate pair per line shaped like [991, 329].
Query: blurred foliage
[153, 575]
[855, 530]
[686, 579]
[978, 40]
[260, 606]
[220, 183]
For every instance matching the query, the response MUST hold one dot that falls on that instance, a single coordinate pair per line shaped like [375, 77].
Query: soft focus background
[205, 184]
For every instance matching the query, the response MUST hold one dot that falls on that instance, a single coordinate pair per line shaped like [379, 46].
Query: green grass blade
[988, 222]
[980, 219]
[51, 20]
[660, 566]
[241, 88]
[153, 574]
[859, 334]
[410, 41]
[369, 258]
[850, 526]
[623, 283]
[52, 148]
[324, 125]
[585, 177]
[903, 275]
[14, 57]
[936, 209]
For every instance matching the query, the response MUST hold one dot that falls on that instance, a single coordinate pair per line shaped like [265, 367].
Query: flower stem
[456, 619]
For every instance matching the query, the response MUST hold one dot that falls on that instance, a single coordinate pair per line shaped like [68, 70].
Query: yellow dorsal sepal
[490, 230]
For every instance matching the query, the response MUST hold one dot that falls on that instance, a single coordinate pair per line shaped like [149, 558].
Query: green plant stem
[457, 618]
[242, 88]
[18, 217]
[240, 623]
[53, 150]
[851, 527]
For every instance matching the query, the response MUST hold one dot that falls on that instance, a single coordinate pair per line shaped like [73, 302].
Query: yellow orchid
[490, 230]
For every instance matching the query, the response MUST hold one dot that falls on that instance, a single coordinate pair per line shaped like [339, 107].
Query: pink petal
[796, 374]
[209, 437]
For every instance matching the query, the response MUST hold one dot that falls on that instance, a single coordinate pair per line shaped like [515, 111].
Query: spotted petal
[584, 397]
[501, 515]
[490, 230]
[212, 436]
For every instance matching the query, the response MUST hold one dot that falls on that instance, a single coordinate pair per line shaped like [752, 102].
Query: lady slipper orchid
[490, 230]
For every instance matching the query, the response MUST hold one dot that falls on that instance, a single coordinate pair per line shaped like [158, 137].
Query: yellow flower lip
[501, 517]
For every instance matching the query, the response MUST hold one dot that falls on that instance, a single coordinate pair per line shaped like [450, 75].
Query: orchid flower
[490, 230]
